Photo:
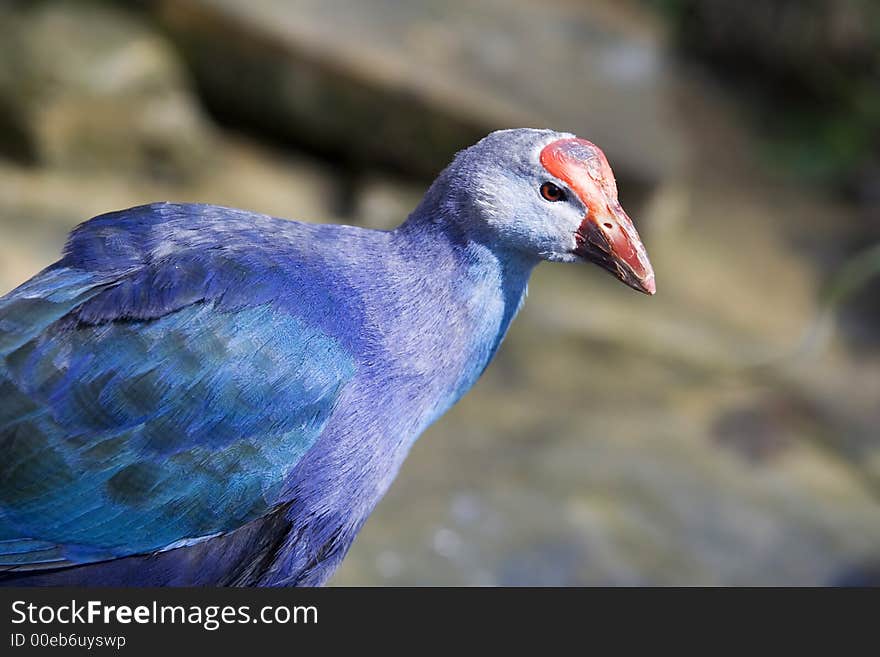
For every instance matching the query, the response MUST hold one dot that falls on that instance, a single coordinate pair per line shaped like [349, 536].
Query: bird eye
[551, 192]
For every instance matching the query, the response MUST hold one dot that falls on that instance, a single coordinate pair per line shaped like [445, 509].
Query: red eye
[551, 192]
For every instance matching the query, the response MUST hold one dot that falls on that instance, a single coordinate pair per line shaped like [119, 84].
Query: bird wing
[125, 432]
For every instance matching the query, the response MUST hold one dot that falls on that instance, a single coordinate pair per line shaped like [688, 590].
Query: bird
[204, 396]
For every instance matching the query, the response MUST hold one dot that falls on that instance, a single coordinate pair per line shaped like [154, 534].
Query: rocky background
[723, 432]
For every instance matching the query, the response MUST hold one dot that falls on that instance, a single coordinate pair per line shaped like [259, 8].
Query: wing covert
[123, 437]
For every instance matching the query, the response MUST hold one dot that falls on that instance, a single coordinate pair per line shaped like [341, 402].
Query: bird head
[549, 195]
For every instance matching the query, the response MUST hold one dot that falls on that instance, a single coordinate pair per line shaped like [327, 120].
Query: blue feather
[138, 415]
[185, 371]
[202, 395]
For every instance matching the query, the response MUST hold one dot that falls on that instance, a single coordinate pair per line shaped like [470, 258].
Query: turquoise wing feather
[130, 436]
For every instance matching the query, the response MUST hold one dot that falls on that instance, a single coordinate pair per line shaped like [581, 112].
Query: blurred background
[724, 432]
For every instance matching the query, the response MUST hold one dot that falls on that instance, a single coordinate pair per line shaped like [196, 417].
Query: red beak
[606, 235]
[611, 241]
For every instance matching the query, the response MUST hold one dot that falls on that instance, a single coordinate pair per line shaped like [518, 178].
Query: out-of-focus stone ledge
[38, 206]
[407, 84]
[91, 86]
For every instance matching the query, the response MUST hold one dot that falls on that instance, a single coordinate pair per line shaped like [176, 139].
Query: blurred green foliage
[810, 69]
[853, 277]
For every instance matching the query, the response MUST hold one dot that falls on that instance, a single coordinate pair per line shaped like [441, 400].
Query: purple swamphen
[196, 395]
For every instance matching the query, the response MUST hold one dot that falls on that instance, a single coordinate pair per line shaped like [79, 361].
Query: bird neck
[463, 291]
[438, 303]
[438, 240]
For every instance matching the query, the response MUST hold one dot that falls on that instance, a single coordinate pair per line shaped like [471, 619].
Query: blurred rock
[383, 202]
[86, 85]
[762, 432]
[861, 575]
[408, 84]
[38, 207]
